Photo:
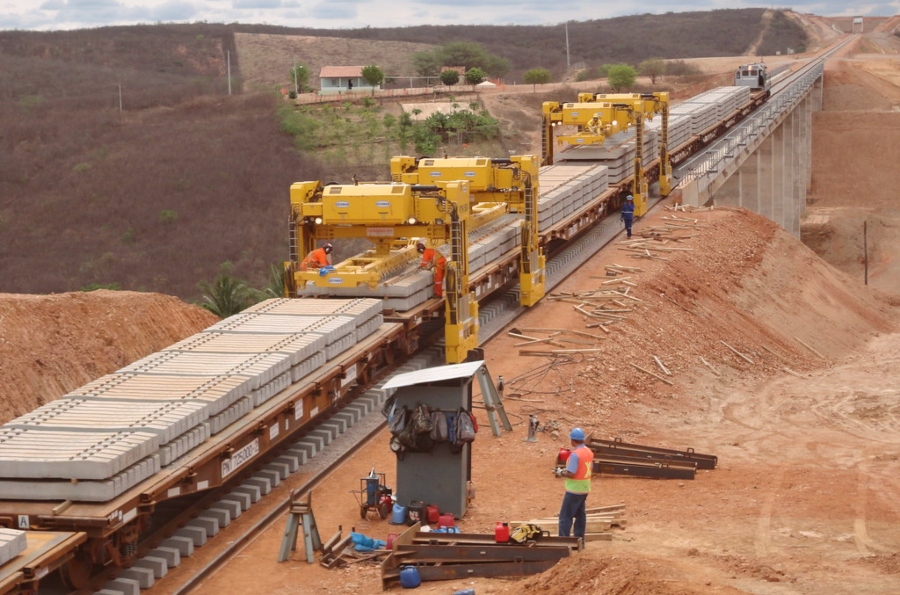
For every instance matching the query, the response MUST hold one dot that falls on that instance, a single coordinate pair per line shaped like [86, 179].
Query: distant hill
[125, 161]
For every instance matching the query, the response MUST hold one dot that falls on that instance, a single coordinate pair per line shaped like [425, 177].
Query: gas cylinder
[409, 577]
[563, 457]
[501, 532]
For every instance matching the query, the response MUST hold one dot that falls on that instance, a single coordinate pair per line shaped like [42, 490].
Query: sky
[51, 15]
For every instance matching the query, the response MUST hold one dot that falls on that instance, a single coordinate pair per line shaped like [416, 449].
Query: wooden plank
[652, 374]
[736, 352]
[810, 348]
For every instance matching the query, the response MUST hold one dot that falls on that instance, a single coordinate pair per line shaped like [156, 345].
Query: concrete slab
[171, 555]
[262, 483]
[208, 523]
[222, 517]
[184, 545]
[243, 499]
[233, 508]
[274, 477]
[196, 534]
[123, 586]
[144, 576]
[158, 566]
[253, 491]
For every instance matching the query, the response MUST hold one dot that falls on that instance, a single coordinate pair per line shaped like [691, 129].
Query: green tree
[497, 66]
[655, 68]
[372, 75]
[227, 295]
[300, 77]
[428, 64]
[475, 76]
[449, 77]
[621, 76]
[537, 76]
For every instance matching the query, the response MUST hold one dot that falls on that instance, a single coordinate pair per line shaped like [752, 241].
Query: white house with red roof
[340, 79]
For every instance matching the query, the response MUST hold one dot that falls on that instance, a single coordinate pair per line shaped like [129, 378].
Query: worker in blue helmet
[578, 485]
[628, 214]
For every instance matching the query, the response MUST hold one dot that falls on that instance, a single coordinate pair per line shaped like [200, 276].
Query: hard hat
[597, 116]
[327, 247]
[629, 197]
[577, 434]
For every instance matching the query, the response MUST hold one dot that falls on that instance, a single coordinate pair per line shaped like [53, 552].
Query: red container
[390, 540]
[432, 514]
[501, 532]
[446, 520]
[563, 457]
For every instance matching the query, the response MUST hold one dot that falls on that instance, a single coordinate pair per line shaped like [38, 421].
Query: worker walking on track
[318, 258]
[628, 213]
[432, 259]
[578, 485]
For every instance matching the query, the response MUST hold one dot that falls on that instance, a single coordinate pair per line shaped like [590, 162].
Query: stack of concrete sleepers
[120, 429]
[679, 130]
[702, 115]
[726, 99]
[617, 153]
[403, 290]
[565, 187]
[12, 543]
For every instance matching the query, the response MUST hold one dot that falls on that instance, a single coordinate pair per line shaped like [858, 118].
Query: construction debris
[450, 556]
[600, 521]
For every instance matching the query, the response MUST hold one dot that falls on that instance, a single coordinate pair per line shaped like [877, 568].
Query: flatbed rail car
[110, 526]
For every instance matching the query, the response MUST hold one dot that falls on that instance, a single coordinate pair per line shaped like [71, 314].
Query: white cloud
[346, 14]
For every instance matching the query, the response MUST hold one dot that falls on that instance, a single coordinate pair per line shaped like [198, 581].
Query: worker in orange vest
[318, 258]
[432, 259]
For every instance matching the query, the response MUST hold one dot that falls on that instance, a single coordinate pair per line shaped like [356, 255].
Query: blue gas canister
[398, 516]
[409, 577]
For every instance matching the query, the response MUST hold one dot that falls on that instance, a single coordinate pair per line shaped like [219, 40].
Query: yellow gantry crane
[510, 181]
[594, 117]
[393, 217]
[438, 200]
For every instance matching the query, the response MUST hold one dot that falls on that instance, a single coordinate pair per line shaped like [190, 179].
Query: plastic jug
[446, 520]
[465, 592]
[398, 515]
[390, 540]
[501, 532]
[409, 577]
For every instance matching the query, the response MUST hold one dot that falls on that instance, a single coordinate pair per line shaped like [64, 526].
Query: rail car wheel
[76, 572]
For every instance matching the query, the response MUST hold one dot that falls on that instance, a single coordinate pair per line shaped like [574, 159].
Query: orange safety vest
[580, 482]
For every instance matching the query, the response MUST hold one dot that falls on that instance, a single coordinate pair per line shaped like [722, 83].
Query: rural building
[340, 79]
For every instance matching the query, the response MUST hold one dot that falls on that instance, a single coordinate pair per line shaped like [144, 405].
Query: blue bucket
[409, 577]
[398, 516]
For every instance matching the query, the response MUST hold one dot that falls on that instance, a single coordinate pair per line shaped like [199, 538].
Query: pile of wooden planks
[599, 522]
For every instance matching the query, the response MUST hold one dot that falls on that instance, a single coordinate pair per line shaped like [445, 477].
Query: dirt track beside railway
[805, 498]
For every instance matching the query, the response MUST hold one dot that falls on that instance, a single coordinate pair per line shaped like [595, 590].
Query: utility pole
[866, 250]
[296, 87]
[228, 61]
[120, 98]
[568, 64]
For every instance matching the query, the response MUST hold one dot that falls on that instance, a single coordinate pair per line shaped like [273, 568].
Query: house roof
[340, 72]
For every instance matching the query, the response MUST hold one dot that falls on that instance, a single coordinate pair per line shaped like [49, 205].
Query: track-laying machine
[598, 118]
[441, 201]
